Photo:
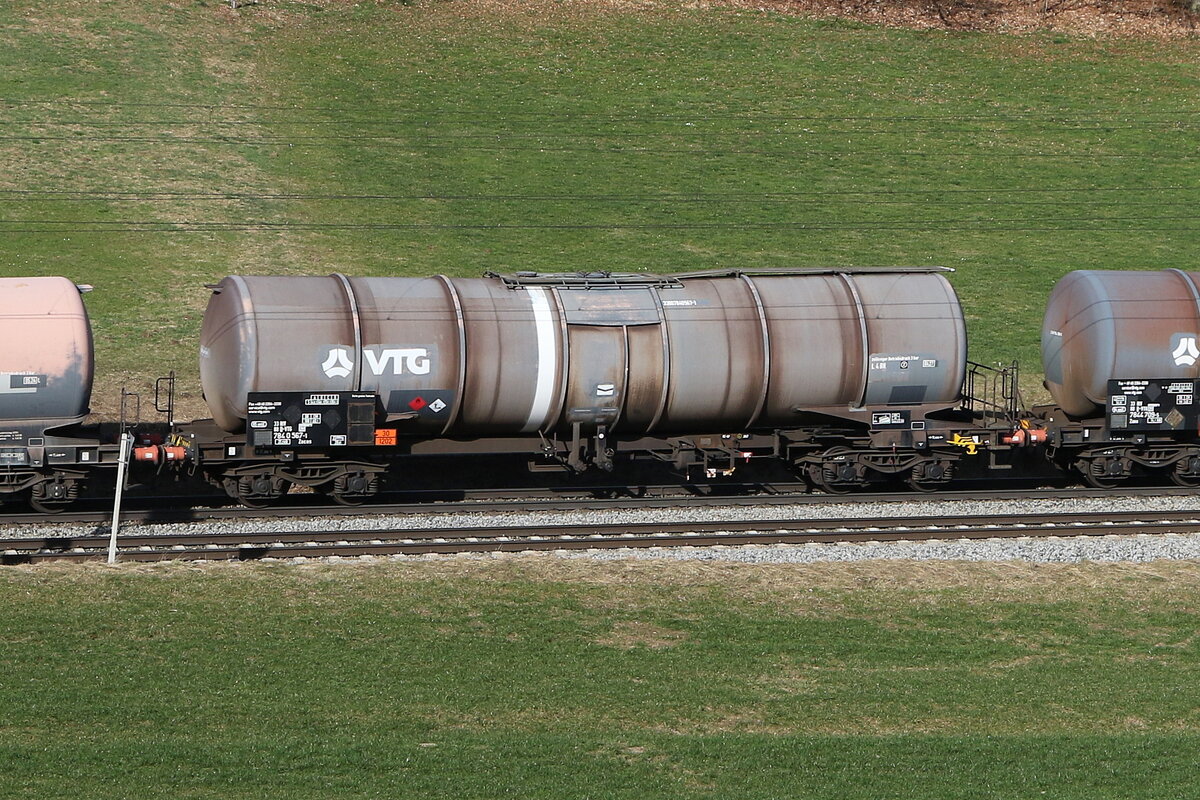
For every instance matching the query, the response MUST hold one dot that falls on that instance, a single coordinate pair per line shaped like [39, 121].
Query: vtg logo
[388, 360]
[1185, 353]
[338, 363]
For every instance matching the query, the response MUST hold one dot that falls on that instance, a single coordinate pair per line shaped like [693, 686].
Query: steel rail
[250, 546]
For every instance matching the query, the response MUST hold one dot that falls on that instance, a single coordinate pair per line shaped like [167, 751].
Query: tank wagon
[845, 375]
[46, 367]
[1121, 354]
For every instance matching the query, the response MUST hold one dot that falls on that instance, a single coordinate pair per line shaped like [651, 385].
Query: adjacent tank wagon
[46, 360]
[46, 369]
[1121, 354]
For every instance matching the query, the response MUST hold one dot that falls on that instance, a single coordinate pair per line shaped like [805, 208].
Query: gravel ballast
[1066, 549]
[1061, 550]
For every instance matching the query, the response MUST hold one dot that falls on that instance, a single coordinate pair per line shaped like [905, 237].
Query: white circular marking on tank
[864, 338]
[547, 358]
[356, 325]
[764, 332]
[461, 378]
[1186, 353]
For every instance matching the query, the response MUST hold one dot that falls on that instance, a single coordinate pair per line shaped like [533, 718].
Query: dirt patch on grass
[1143, 19]
[987, 581]
[632, 634]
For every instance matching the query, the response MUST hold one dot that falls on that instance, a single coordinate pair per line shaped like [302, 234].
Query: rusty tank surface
[46, 357]
[530, 353]
[1103, 325]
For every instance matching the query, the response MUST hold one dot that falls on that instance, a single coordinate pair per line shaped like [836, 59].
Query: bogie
[54, 494]
[256, 490]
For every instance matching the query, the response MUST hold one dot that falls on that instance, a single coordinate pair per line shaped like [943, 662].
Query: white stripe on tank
[547, 358]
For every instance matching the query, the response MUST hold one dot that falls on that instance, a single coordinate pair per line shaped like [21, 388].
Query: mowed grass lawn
[536, 677]
[152, 148]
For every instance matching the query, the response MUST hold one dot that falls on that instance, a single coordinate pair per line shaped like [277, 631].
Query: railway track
[254, 546]
[306, 506]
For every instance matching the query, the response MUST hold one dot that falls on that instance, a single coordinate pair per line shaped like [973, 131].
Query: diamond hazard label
[423, 407]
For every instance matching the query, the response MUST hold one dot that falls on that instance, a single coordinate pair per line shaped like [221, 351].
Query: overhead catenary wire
[667, 197]
[428, 113]
[391, 142]
[183, 226]
[1095, 126]
[694, 200]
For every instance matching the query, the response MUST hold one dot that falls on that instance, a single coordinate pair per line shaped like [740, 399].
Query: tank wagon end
[46, 369]
[1121, 354]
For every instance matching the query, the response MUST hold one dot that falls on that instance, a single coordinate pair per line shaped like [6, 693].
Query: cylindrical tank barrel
[1118, 325]
[709, 351]
[46, 358]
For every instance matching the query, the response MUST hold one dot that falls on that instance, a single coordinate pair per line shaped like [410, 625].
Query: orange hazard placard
[385, 436]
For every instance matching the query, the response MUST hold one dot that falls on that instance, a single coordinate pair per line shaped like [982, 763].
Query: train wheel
[918, 485]
[52, 497]
[256, 491]
[353, 488]
[830, 487]
[1103, 473]
[49, 506]
[1102, 480]
[929, 476]
[615, 492]
[835, 477]
[1186, 472]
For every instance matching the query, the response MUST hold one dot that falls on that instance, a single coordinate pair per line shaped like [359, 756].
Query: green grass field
[150, 149]
[538, 678]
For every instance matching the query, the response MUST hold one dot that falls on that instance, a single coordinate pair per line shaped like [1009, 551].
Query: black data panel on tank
[1152, 405]
[290, 420]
